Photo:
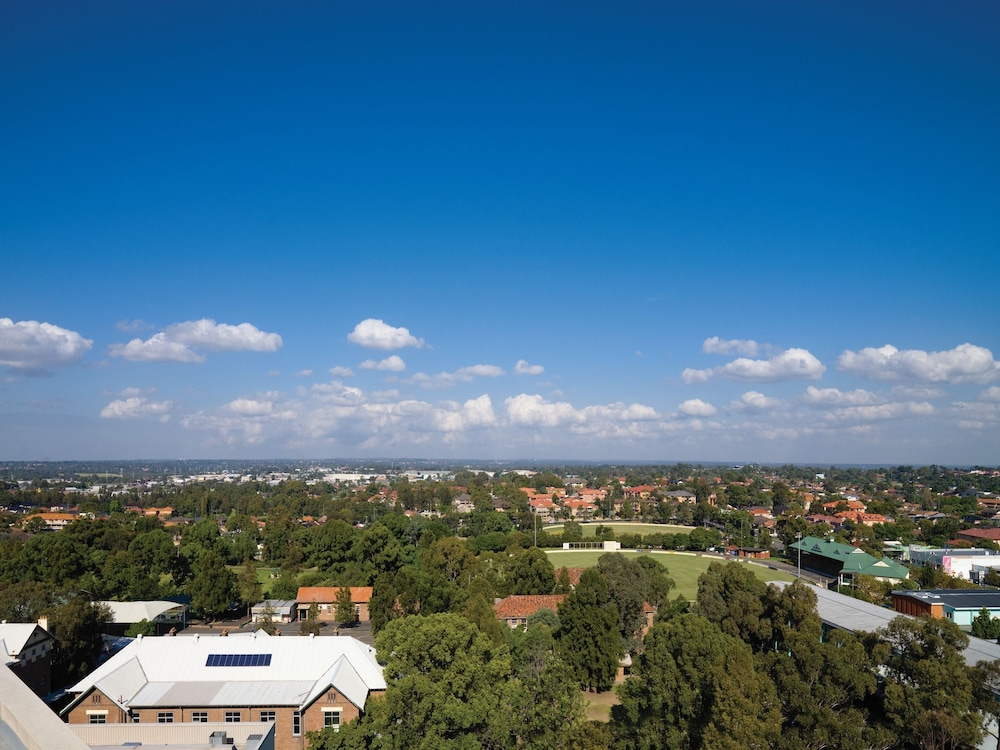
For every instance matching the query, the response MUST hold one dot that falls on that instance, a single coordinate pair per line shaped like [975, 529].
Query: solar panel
[238, 660]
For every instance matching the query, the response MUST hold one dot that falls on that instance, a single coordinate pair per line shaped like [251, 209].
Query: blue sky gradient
[673, 231]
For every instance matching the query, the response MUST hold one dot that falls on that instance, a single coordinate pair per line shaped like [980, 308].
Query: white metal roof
[13, 637]
[172, 671]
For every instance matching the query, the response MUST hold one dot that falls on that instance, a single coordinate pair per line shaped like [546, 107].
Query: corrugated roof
[172, 671]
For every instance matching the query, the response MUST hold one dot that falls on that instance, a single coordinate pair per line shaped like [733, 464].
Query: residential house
[298, 684]
[514, 611]
[26, 648]
[325, 598]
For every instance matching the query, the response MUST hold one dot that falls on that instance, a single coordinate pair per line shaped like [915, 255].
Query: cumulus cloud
[373, 333]
[178, 342]
[534, 411]
[965, 363]
[523, 368]
[461, 375]
[29, 347]
[757, 400]
[616, 420]
[791, 364]
[835, 397]
[991, 394]
[342, 372]
[137, 407]
[695, 407]
[715, 345]
[250, 406]
[392, 363]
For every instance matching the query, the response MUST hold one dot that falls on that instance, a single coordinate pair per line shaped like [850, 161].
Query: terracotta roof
[326, 594]
[574, 575]
[523, 606]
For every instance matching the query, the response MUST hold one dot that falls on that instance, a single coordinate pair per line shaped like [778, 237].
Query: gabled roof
[523, 606]
[328, 594]
[14, 636]
[256, 670]
[852, 559]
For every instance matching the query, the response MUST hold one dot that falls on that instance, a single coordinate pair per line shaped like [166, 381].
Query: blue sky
[719, 231]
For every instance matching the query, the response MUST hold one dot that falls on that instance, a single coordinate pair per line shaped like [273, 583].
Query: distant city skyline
[726, 232]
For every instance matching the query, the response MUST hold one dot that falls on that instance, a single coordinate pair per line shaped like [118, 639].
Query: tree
[733, 598]
[143, 627]
[78, 627]
[247, 583]
[986, 627]
[532, 573]
[344, 607]
[589, 640]
[628, 586]
[695, 687]
[213, 586]
[931, 695]
[310, 625]
[444, 678]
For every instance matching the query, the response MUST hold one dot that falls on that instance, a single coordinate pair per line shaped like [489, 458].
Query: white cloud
[393, 363]
[157, 348]
[28, 347]
[376, 334]
[895, 410]
[342, 372]
[534, 411]
[523, 368]
[177, 342]
[965, 363]
[757, 400]
[250, 406]
[304, 374]
[791, 364]
[991, 394]
[715, 345]
[695, 407]
[917, 392]
[835, 397]
[207, 334]
[461, 375]
[137, 407]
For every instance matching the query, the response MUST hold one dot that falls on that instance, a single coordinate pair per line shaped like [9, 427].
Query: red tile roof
[523, 606]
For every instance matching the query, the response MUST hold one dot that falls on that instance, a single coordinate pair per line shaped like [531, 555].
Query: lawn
[684, 567]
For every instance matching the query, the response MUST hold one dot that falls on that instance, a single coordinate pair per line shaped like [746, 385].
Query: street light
[798, 537]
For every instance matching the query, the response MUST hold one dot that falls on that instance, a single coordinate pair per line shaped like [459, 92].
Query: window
[200, 717]
[331, 718]
[165, 717]
[233, 717]
[296, 723]
[97, 717]
[267, 716]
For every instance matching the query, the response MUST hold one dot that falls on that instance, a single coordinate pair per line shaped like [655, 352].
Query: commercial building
[300, 684]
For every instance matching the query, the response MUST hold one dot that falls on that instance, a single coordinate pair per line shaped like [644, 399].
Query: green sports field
[684, 567]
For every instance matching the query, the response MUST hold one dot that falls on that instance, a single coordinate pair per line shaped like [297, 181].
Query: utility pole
[798, 537]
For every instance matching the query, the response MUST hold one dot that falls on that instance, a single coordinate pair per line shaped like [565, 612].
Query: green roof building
[842, 561]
